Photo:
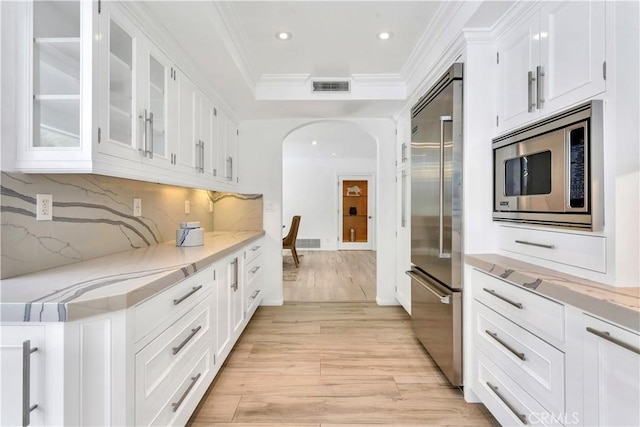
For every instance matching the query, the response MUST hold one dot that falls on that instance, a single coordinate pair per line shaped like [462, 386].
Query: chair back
[290, 239]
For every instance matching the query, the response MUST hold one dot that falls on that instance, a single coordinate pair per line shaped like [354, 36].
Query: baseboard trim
[392, 301]
[272, 302]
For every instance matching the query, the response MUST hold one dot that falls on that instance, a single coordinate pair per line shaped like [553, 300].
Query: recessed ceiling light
[314, 142]
[283, 35]
[333, 154]
[385, 35]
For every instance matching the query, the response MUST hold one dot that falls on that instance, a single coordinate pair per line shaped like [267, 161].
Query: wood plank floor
[333, 364]
[332, 276]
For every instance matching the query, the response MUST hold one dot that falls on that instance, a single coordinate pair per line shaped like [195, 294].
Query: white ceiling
[233, 45]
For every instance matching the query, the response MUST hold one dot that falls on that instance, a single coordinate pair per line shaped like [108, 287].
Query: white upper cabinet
[122, 123]
[551, 59]
[57, 51]
[225, 154]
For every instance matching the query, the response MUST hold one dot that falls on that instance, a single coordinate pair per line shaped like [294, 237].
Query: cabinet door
[226, 157]
[518, 54]
[12, 360]
[232, 152]
[572, 52]
[403, 240]
[156, 77]
[189, 118]
[120, 89]
[611, 373]
[223, 322]
[237, 298]
[207, 132]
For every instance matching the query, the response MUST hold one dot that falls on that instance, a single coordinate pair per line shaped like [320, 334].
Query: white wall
[260, 153]
[310, 189]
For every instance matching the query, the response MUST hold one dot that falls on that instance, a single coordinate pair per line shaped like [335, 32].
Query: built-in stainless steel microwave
[551, 171]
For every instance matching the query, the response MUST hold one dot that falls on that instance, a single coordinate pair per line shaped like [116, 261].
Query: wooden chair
[289, 242]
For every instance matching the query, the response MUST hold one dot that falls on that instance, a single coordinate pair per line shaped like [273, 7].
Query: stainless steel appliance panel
[436, 182]
[436, 319]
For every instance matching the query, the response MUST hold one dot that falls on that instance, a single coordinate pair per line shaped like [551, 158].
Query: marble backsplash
[93, 216]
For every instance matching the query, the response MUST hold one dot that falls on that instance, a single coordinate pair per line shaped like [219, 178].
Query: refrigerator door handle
[445, 299]
[441, 252]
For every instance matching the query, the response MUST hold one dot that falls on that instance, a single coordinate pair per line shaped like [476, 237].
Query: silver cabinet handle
[254, 269]
[404, 152]
[255, 248]
[144, 119]
[193, 333]
[234, 285]
[445, 299]
[607, 336]
[27, 407]
[194, 380]
[530, 79]
[255, 294]
[187, 295]
[538, 245]
[521, 417]
[202, 155]
[505, 299]
[441, 253]
[540, 86]
[230, 163]
[505, 345]
[403, 207]
[151, 133]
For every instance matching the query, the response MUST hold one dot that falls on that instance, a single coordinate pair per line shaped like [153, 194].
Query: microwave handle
[441, 252]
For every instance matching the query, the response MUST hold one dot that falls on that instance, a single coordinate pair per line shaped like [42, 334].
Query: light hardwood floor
[332, 276]
[333, 364]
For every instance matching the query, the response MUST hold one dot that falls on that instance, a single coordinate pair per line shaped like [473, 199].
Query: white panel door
[612, 375]
[403, 240]
[207, 136]
[189, 123]
[518, 54]
[223, 301]
[12, 400]
[120, 88]
[572, 52]
[237, 295]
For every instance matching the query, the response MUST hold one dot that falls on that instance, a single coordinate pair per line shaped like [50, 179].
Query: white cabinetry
[253, 268]
[611, 374]
[552, 58]
[22, 359]
[403, 212]
[225, 157]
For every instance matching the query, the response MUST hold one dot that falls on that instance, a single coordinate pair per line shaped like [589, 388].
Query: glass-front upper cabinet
[56, 74]
[156, 78]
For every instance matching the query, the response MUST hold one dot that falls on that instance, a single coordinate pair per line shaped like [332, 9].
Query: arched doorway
[318, 158]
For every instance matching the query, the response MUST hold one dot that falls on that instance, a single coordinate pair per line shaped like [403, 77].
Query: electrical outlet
[210, 206]
[187, 207]
[137, 207]
[44, 207]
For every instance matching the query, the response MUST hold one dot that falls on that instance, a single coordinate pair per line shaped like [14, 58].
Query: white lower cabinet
[539, 362]
[149, 364]
[611, 374]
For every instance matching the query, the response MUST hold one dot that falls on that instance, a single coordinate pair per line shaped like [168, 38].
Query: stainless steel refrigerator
[436, 222]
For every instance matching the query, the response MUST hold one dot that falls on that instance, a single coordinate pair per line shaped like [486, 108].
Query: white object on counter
[190, 237]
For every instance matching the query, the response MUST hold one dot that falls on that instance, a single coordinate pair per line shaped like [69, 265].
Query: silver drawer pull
[254, 269]
[539, 245]
[505, 299]
[187, 295]
[505, 345]
[255, 248]
[27, 407]
[255, 294]
[607, 336]
[183, 343]
[521, 417]
[176, 405]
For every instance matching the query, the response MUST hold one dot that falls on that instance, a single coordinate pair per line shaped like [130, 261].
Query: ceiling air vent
[333, 86]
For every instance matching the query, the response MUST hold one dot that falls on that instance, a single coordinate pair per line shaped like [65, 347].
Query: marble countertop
[112, 282]
[618, 305]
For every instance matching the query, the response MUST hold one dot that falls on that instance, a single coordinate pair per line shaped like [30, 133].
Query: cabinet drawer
[577, 250]
[507, 401]
[254, 269]
[533, 312]
[161, 365]
[534, 364]
[253, 251]
[185, 396]
[173, 301]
